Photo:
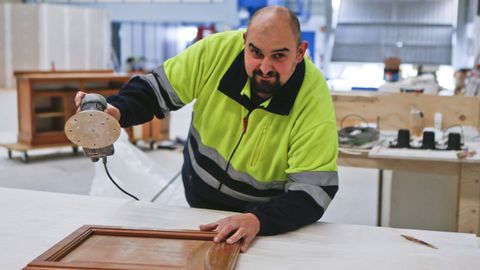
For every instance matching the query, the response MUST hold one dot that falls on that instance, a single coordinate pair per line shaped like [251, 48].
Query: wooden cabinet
[46, 101]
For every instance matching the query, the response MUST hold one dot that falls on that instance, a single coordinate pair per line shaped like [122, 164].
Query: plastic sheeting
[132, 170]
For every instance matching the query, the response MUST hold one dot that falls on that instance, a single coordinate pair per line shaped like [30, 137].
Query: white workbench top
[32, 222]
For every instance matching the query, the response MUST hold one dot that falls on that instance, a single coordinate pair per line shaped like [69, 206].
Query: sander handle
[95, 102]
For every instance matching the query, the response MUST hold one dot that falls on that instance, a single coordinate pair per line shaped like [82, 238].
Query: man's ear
[244, 37]
[302, 48]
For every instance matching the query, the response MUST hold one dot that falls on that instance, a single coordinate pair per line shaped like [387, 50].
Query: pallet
[24, 148]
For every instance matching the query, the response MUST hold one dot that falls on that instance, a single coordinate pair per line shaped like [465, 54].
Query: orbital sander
[93, 129]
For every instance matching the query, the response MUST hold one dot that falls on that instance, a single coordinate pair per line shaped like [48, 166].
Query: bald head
[272, 49]
[274, 16]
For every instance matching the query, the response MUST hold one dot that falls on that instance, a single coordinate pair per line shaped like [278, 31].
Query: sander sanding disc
[92, 129]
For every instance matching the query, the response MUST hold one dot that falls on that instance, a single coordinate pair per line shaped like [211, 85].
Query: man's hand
[242, 226]
[112, 110]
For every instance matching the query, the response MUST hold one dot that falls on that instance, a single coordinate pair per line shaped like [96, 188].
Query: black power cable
[104, 160]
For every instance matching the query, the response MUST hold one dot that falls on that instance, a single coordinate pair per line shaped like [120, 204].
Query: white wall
[38, 37]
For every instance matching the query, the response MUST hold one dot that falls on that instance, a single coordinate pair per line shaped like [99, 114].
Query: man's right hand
[112, 110]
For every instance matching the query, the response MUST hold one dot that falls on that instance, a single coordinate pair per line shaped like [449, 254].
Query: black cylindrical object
[454, 141]
[94, 102]
[403, 139]
[428, 140]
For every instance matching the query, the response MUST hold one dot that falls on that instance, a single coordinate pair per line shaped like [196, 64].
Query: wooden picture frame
[107, 248]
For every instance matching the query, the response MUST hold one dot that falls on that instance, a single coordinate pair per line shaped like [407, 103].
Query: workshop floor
[58, 170]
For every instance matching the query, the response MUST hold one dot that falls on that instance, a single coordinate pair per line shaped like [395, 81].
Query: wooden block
[161, 128]
[104, 247]
[141, 132]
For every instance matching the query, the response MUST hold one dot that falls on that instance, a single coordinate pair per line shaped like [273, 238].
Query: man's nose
[265, 66]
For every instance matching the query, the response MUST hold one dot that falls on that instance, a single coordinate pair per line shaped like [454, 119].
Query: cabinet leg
[75, 150]
[9, 154]
[152, 144]
[25, 157]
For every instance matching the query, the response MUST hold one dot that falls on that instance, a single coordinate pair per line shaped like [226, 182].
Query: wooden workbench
[392, 112]
[33, 221]
[466, 171]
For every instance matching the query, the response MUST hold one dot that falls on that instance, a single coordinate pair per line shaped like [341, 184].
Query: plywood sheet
[25, 37]
[99, 36]
[55, 37]
[393, 110]
[76, 38]
[3, 39]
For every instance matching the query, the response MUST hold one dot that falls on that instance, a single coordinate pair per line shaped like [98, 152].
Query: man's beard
[260, 86]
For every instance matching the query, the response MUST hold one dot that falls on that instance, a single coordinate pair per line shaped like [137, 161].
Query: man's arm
[312, 184]
[136, 102]
[290, 211]
[287, 212]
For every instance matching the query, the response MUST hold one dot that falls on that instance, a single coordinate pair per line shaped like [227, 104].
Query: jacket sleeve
[312, 183]
[288, 212]
[169, 87]
[137, 103]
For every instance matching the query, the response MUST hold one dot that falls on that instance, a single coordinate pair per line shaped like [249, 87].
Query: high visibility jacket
[277, 160]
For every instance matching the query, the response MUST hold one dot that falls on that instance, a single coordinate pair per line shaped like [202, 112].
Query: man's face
[271, 55]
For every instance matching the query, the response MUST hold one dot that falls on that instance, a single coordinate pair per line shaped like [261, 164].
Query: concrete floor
[144, 173]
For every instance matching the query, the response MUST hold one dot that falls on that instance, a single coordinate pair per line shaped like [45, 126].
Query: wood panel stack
[42, 37]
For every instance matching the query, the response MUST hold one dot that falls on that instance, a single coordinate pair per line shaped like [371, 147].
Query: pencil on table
[415, 240]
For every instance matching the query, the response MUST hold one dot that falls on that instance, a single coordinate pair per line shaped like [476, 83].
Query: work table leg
[469, 199]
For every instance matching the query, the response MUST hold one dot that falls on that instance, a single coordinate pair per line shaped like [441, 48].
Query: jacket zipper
[244, 130]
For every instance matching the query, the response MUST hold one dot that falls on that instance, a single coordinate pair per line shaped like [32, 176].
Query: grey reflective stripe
[316, 178]
[208, 151]
[165, 84]
[150, 79]
[243, 196]
[160, 71]
[316, 192]
[211, 181]
[234, 174]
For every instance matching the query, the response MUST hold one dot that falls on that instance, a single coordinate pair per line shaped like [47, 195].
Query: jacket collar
[281, 103]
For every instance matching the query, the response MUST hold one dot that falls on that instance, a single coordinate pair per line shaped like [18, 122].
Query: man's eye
[256, 53]
[278, 55]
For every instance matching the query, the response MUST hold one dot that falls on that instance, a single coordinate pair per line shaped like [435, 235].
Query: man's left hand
[243, 226]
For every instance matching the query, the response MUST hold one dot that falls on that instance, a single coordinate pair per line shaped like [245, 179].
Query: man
[263, 137]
